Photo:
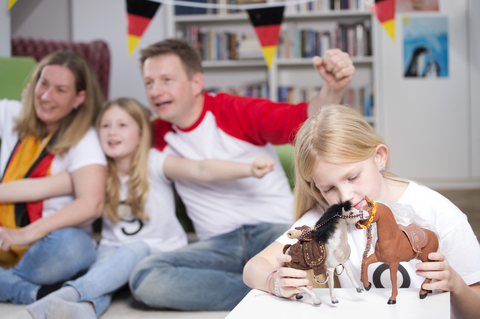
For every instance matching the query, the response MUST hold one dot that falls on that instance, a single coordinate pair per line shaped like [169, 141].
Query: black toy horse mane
[324, 232]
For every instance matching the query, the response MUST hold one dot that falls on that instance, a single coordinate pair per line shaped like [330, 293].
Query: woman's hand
[446, 278]
[12, 237]
[288, 279]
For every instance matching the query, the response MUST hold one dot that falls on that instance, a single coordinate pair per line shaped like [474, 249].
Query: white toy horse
[325, 246]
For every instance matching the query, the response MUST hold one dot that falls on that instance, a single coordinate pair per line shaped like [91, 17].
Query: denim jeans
[57, 257]
[206, 275]
[109, 272]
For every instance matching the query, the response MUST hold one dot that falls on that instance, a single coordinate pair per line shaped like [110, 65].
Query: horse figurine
[395, 243]
[324, 247]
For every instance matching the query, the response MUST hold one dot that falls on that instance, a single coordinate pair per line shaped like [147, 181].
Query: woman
[41, 242]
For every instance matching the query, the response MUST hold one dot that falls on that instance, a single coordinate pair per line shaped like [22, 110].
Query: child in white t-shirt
[139, 213]
[339, 157]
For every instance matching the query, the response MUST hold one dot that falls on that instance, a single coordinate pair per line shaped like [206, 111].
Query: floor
[123, 305]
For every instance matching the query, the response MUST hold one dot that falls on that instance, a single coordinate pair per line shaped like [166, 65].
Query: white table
[367, 304]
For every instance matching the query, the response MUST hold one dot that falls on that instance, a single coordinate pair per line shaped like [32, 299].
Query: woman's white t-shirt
[87, 151]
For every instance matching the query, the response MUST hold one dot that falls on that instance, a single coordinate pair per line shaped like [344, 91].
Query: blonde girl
[139, 213]
[339, 157]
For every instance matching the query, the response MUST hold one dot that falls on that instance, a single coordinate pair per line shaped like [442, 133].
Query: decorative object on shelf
[324, 247]
[384, 10]
[267, 22]
[395, 243]
[139, 15]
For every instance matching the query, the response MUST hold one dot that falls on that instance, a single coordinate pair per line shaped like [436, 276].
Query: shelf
[242, 16]
[308, 61]
[234, 64]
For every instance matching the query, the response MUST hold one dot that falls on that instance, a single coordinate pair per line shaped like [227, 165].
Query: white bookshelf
[284, 71]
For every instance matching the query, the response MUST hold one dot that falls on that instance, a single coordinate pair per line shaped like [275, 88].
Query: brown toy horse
[395, 243]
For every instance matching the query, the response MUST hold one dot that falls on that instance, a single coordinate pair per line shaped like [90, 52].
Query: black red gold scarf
[29, 158]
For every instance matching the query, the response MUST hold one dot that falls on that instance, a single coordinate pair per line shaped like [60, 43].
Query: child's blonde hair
[336, 134]
[137, 184]
[73, 126]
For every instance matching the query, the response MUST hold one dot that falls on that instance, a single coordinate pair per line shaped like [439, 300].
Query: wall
[106, 20]
[426, 122]
[28, 19]
[474, 40]
[5, 33]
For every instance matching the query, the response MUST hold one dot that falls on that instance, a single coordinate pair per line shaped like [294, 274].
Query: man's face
[169, 90]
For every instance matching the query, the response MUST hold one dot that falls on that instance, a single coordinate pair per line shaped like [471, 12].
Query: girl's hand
[262, 165]
[288, 279]
[446, 278]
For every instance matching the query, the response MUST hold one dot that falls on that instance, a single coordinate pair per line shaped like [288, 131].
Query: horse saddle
[416, 235]
[308, 254]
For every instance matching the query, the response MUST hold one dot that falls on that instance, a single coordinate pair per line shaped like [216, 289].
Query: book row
[303, 7]
[358, 98]
[294, 42]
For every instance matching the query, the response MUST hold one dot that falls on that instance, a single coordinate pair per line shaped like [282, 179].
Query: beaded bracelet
[268, 280]
[277, 289]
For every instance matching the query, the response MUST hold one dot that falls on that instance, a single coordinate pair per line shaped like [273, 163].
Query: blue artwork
[425, 46]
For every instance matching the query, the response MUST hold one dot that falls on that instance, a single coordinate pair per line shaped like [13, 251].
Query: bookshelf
[233, 60]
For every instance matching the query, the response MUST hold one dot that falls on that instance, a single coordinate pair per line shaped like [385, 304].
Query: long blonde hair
[138, 181]
[336, 134]
[74, 126]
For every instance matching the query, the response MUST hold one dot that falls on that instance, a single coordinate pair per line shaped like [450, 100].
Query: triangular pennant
[267, 22]
[384, 10]
[11, 3]
[139, 15]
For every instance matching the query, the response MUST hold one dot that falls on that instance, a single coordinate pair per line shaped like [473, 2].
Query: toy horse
[324, 247]
[395, 243]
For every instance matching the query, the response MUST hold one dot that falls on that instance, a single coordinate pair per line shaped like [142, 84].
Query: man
[234, 220]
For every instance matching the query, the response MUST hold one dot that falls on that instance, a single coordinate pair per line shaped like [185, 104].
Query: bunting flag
[267, 22]
[11, 3]
[384, 10]
[139, 15]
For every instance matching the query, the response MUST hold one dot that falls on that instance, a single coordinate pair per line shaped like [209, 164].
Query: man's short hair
[189, 56]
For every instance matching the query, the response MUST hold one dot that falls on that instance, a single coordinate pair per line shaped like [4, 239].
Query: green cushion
[285, 153]
[15, 73]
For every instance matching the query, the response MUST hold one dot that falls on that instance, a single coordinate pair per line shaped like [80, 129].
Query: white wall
[107, 20]
[5, 47]
[426, 122]
[474, 40]
[29, 19]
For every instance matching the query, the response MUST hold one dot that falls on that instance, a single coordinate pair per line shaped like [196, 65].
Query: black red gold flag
[267, 23]
[139, 15]
[384, 10]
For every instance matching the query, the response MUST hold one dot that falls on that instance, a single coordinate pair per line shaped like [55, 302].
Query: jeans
[206, 275]
[109, 272]
[57, 257]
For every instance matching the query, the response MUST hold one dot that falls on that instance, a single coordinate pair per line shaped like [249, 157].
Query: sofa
[96, 52]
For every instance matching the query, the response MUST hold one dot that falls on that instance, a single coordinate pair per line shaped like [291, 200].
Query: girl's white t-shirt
[162, 232]
[457, 240]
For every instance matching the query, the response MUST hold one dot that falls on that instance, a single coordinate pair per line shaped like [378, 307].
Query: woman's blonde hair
[138, 181]
[74, 126]
[336, 134]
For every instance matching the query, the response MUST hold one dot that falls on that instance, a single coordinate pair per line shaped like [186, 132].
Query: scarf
[29, 158]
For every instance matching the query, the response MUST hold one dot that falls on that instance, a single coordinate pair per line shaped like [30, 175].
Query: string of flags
[266, 19]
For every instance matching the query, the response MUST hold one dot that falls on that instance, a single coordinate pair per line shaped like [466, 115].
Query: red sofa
[96, 52]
